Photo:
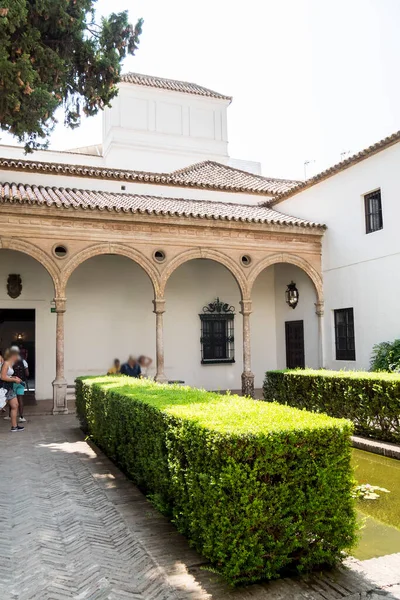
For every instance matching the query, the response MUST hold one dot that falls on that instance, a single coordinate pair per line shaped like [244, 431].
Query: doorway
[18, 328]
[294, 333]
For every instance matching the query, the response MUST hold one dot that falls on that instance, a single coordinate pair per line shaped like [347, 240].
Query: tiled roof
[228, 178]
[206, 175]
[171, 84]
[391, 140]
[152, 205]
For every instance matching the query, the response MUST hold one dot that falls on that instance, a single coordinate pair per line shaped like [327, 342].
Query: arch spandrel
[38, 254]
[208, 254]
[292, 259]
[115, 249]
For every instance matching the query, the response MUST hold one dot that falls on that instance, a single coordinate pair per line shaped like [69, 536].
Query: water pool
[380, 518]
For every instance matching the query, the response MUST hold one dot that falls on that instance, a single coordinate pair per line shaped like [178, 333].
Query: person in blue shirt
[131, 368]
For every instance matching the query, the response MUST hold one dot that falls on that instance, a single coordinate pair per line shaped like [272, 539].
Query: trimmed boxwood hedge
[370, 400]
[258, 488]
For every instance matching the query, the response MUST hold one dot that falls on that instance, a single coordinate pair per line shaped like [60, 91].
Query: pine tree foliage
[53, 53]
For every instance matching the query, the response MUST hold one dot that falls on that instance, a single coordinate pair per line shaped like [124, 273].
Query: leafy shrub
[370, 400]
[386, 356]
[256, 487]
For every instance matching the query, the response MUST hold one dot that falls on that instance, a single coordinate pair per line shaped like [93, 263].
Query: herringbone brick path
[60, 536]
[72, 527]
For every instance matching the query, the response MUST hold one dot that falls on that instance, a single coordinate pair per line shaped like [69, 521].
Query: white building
[358, 200]
[159, 219]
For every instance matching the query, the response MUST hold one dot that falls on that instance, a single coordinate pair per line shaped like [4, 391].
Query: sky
[310, 79]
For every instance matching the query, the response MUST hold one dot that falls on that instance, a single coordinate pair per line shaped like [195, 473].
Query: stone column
[159, 310]
[319, 309]
[60, 384]
[247, 375]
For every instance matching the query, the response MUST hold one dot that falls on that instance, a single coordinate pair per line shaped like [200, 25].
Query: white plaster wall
[263, 326]
[251, 166]
[304, 311]
[37, 293]
[360, 270]
[190, 287]
[162, 130]
[372, 288]
[109, 315]
[55, 156]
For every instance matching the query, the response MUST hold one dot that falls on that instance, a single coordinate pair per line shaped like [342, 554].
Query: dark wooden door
[294, 331]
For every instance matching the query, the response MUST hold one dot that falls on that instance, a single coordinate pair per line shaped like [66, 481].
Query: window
[373, 211]
[217, 333]
[344, 334]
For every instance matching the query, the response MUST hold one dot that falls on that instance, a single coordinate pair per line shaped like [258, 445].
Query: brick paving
[73, 527]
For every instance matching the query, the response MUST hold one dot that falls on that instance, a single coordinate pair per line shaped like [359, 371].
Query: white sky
[310, 78]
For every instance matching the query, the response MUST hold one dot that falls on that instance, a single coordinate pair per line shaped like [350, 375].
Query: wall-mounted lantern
[292, 295]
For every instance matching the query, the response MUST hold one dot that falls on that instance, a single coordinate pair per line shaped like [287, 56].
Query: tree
[52, 54]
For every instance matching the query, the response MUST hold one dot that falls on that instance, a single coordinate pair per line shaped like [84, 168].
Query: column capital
[159, 306]
[246, 307]
[60, 305]
[319, 308]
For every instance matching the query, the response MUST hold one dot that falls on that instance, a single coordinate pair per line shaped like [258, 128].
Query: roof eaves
[391, 140]
[168, 179]
[24, 194]
[174, 85]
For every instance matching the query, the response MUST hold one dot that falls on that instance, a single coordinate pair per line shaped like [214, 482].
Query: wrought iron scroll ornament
[14, 285]
[218, 307]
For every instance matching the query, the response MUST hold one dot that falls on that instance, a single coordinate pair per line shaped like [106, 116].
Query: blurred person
[116, 368]
[7, 380]
[21, 370]
[131, 368]
[145, 363]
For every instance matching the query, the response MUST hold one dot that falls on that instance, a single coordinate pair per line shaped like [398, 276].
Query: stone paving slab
[72, 526]
[377, 447]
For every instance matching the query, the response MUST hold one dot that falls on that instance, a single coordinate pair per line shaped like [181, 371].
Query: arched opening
[26, 319]
[109, 315]
[281, 336]
[207, 352]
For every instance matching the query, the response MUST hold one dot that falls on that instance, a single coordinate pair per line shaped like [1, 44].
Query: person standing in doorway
[21, 370]
[7, 380]
[131, 368]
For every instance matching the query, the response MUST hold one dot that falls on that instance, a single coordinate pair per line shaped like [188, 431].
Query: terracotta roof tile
[228, 178]
[341, 166]
[206, 175]
[171, 84]
[135, 203]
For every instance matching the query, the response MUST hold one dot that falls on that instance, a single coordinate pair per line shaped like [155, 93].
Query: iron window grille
[373, 211]
[344, 334]
[217, 333]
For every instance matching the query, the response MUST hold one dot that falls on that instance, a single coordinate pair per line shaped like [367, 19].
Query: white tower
[162, 125]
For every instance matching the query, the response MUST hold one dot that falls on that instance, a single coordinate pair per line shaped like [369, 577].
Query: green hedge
[370, 400]
[256, 487]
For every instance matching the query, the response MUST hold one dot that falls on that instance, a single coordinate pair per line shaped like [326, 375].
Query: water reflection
[381, 518]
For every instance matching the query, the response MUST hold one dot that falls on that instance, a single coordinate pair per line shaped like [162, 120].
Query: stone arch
[38, 254]
[209, 254]
[109, 248]
[283, 257]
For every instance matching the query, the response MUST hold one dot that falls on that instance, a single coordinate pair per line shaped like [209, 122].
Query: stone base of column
[248, 384]
[60, 406]
[161, 378]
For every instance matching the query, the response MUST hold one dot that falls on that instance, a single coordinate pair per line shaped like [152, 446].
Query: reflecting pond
[380, 518]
